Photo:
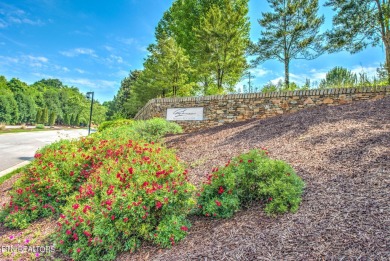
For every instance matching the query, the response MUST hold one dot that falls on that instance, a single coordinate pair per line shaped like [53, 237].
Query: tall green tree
[26, 108]
[358, 24]
[216, 53]
[77, 120]
[38, 117]
[45, 116]
[72, 119]
[52, 118]
[66, 119]
[339, 77]
[5, 110]
[223, 39]
[290, 31]
[117, 107]
[171, 67]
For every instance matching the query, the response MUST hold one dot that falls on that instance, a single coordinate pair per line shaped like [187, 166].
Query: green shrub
[116, 123]
[40, 126]
[138, 192]
[156, 128]
[149, 130]
[247, 178]
[109, 195]
[56, 172]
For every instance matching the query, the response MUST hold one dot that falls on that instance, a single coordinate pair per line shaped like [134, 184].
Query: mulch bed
[343, 155]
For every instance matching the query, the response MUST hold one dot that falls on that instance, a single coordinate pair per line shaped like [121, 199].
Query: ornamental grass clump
[250, 177]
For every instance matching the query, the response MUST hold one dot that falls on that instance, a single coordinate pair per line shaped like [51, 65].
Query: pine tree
[291, 31]
[358, 24]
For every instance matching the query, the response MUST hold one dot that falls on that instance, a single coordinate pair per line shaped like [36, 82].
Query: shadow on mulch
[298, 123]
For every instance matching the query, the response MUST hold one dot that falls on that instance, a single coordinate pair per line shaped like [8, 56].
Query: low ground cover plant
[250, 177]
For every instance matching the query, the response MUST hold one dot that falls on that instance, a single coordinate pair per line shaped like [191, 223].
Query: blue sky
[94, 44]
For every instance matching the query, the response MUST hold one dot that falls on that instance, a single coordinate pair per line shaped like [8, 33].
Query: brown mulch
[343, 155]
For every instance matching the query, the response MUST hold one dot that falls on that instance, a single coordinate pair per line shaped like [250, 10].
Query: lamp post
[90, 95]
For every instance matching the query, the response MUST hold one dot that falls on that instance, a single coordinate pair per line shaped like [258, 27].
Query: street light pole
[90, 113]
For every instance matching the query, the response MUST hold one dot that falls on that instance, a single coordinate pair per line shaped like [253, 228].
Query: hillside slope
[342, 153]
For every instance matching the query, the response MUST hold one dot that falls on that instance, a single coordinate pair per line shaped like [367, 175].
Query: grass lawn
[22, 130]
[9, 175]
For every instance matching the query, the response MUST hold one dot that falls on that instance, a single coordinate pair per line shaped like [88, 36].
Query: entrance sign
[185, 114]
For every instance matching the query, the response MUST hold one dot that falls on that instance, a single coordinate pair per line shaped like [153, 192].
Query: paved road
[16, 148]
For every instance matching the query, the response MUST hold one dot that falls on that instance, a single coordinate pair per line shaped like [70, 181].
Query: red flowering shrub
[250, 177]
[140, 192]
[57, 172]
[109, 192]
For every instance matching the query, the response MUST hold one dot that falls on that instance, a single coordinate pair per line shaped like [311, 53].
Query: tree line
[47, 102]
[202, 47]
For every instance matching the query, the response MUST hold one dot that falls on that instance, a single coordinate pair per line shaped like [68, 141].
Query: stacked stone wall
[222, 109]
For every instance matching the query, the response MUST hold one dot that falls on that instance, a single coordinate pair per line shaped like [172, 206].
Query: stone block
[328, 101]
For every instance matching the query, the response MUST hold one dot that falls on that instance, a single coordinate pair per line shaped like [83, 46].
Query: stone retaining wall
[221, 109]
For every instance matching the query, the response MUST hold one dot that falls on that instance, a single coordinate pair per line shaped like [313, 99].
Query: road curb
[9, 170]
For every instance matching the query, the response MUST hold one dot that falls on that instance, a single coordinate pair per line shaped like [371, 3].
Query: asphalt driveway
[17, 149]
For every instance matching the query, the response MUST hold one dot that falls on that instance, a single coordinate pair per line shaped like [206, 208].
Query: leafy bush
[56, 173]
[150, 130]
[139, 192]
[116, 123]
[247, 178]
[40, 126]
[156, 128]
[108, 191]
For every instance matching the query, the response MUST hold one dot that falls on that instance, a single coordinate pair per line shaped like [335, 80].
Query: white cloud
[13, 15]
[92, 84]
[143, 48]
[37, 58]
[79, 71]
[79, 51]
[3, 24]
[121, 74]
[108, 48]
[115, 58]
[259, 72]
[7, 59]
[277, 80]
[127, 41]
[369, 70]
